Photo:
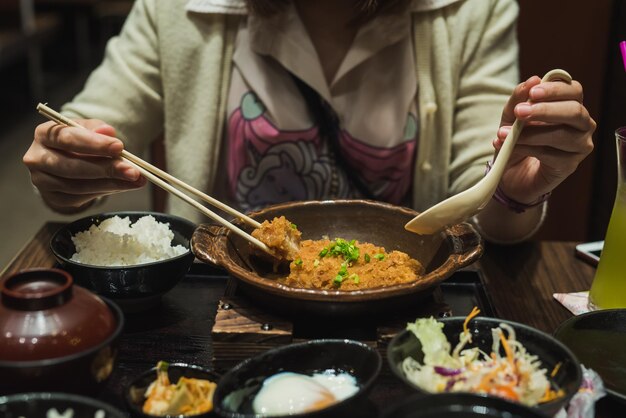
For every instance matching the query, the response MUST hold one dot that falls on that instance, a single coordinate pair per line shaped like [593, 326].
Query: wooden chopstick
[155, 174]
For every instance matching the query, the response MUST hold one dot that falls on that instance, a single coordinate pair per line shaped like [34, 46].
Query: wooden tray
[242, 329]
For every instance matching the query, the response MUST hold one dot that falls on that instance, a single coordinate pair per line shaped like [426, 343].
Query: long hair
[364, 9]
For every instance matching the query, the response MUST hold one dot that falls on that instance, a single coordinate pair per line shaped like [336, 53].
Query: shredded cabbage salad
[514, 375]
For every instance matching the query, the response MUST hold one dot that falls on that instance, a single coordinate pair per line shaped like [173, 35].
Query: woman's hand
[556, 137]
[72, 166]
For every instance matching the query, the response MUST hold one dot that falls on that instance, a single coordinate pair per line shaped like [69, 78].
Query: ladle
[462, 206]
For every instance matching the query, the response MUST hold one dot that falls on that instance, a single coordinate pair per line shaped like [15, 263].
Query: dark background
[50, 53]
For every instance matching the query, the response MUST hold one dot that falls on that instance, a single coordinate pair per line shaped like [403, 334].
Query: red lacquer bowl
[48, 325]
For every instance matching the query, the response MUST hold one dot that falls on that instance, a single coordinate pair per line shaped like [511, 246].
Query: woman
[392, 100]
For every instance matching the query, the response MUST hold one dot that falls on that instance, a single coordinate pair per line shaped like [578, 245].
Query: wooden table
[520, 281]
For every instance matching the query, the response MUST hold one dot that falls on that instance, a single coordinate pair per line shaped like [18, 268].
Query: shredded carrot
[556, 369]
[505, 391]
[551, 395]
[469, 317]
[507, 349]
[484, 382]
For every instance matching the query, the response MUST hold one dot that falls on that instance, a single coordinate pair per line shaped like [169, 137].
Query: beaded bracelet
[514, 205]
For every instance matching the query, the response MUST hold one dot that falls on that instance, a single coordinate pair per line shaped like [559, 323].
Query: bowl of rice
[132, 258]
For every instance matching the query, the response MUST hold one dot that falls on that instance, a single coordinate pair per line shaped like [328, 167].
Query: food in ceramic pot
[52, 329]
[338, 263]
[281, 235]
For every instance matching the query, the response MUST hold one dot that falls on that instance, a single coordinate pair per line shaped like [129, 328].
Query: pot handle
[467, 244]
[208, 243]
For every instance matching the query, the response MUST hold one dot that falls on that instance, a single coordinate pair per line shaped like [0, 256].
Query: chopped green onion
[324, 252]
[379, 256]
[355, 278]
[294, 226]
[163, 365]
[338, 279]
[367, 258]
[298, 262]
[343, 270]
[316, 263]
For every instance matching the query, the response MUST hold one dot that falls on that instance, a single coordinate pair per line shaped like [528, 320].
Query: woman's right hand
[73, 166]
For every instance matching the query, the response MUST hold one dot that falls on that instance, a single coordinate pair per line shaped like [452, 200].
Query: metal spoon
[468, 203]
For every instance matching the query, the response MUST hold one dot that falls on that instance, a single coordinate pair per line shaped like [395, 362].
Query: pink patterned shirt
[274, 152]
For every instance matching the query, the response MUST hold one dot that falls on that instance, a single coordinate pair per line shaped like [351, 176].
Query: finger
[557, 91]
[99, 187]
[519, 95]
[560, 163]
[62, 164]
[65, 200]
[568, 112]
[78, 140]
[555, 136]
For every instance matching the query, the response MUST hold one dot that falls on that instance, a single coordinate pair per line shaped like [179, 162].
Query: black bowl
[598, 339]
[244, 380]
[549, 350]
[134, 288]
[37, 405]
[84, 372]
[134, 392]
[459, 405]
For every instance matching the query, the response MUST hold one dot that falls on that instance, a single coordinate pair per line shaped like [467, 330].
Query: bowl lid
[43, 316]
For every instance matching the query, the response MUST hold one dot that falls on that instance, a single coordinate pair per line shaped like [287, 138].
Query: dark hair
[365, 9]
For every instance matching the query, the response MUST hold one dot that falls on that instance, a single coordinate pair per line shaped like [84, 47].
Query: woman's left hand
[556, 137]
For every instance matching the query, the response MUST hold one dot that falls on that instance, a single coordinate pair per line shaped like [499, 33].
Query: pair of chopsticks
[156, 176]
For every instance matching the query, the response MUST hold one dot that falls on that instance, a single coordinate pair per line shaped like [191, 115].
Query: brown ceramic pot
[43, 316]
[367, 221]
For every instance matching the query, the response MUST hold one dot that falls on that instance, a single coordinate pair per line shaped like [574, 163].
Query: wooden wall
[573, 35]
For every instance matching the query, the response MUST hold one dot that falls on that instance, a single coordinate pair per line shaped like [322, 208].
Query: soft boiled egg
[290, 393]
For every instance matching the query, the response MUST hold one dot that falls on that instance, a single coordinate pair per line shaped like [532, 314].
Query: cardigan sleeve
[125, 91]
[488, 74]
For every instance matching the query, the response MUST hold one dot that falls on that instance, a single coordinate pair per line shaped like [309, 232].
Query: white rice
[117, 242]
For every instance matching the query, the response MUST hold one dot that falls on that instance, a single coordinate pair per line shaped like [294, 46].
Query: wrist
[515, 205]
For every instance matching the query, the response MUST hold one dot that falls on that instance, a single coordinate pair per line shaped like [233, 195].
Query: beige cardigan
[168, 73]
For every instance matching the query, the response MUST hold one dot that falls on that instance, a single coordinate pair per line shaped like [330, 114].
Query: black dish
[134, 393]
[134, 288]
[84, 372]
[37, 405]
[549, 350]
[599, 339]
[245, 379]
[459, 405]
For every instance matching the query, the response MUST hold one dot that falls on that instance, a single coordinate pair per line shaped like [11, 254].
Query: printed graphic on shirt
[268, 166]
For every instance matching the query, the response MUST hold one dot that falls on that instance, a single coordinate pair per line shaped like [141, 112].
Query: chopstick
[154, 174]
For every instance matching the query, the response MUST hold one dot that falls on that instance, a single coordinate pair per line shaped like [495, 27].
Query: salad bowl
[561, 366]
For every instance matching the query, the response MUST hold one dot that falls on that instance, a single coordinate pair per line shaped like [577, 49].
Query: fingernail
[116, 147]
[537, 93]
[523, 110]
[503, 132]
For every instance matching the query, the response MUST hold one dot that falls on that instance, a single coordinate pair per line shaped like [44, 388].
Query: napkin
[583, 403]
[575, 302]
